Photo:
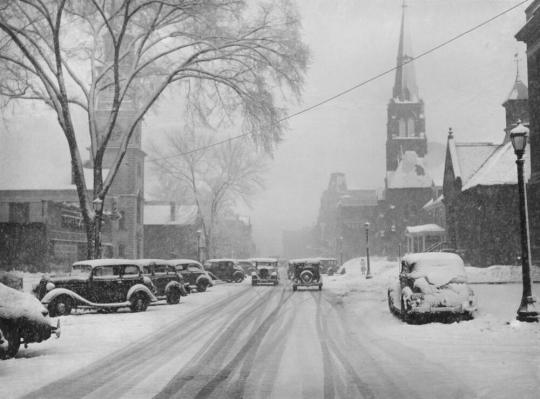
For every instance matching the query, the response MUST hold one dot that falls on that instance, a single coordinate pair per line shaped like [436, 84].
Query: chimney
[173, 211]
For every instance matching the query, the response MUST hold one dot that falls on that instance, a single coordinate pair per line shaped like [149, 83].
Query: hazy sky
[463, 85]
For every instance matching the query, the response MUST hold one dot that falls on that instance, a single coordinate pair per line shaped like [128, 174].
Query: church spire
[405, 88]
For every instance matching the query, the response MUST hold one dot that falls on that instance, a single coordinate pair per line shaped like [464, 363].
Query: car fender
[141, 288]
[56, 292]
[202, 278]
[173, 285]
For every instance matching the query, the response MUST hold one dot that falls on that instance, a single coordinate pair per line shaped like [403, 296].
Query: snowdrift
[15, 304]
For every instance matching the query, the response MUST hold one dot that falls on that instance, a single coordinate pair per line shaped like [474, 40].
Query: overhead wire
[354, 87]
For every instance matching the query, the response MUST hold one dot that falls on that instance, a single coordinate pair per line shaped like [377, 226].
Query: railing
[438, 247]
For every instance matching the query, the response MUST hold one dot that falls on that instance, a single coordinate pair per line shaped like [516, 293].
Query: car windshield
[81, 270]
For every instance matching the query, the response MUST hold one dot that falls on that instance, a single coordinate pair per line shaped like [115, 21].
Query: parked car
[306, 273]
[23, 320]
[168, 283]
[104, 284]
[266, 271]
[225, 269]
[247, 266]
[193, 273]
[432, 286]
[328, 266]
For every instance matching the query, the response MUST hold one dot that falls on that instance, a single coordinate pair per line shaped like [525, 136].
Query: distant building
[299, 243]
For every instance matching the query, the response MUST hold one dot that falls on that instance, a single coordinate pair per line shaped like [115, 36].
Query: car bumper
[265, 280]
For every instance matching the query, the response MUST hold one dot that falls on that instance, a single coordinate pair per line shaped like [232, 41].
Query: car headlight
[50, 286]
[274, 274]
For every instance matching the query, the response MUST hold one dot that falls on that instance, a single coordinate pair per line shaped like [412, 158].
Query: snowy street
[258, 342]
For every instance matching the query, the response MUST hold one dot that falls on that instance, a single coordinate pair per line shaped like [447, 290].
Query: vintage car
[23, 320]
[306, 273]
[328, 266]
[247, 266]
[225, 269]
[432, 286]
[193, 273]
[103, 284]
[168, 283]
[11, 280]
[266, 271]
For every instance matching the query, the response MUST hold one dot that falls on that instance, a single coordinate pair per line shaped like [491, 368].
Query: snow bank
[16, 304]
[499, 274]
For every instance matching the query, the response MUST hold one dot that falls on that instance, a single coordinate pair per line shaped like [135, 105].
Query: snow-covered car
[23, 320]
[193, 273]
[103, 284]
[247, 266]
[11, 279]
[168, 283]
[225, 269]
[306, 273]
[328, 266]
[266, 271]
[432, 286]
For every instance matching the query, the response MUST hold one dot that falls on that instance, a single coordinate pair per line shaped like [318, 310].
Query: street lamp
[341, 250]
[98, 209]
[199, 232]
[368, 272]
[527, 310]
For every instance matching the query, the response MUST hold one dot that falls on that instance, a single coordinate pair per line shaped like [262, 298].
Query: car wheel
[294, 287]
[11, 344]
[238, 278]
[60, 306]
[139, 302]
[320, 287]
[173, 296]
[202, 286]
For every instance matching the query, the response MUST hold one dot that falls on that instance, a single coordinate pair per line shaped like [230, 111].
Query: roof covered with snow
[467, 158]
[434, 203]
[519, 91]
[410, 173]
[160, 213]
[499, 168]
[424, 229]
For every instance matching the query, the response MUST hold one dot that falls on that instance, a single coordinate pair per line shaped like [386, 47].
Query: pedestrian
[363, 266]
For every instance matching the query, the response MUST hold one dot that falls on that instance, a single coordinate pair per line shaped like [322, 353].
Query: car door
[161, 278]
[130, 275]
[104, 284]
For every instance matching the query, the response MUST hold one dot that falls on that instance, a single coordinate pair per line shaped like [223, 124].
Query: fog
[463, 85]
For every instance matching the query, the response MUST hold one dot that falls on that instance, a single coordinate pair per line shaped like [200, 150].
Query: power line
[356, 86]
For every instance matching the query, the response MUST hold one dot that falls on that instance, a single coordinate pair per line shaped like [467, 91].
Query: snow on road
[495, 355]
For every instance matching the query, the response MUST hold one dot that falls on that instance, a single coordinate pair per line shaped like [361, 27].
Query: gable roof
[410, 173]
[500, 168]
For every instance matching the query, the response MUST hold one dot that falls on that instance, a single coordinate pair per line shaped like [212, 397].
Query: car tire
[60, 306]
[320, 287]
[202, 286]
[294, 287]
[306, 276]
[13, 343]
[139, 302]
[173, 296]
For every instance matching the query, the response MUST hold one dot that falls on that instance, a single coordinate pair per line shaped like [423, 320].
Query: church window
[402, 128]
[411, 128]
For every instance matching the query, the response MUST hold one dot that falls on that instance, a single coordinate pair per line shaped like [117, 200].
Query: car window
[131, 271]
[146, 269]
[160, 269]
[106, 272]
[171, 270]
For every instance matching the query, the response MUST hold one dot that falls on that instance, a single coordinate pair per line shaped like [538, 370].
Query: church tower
[126, 194]
[517, 104]
[406, 123]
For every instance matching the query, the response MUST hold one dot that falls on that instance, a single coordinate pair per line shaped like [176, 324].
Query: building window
[121, 250]
[402, 128]
[19, 212]
[411, 128]
[122, 221]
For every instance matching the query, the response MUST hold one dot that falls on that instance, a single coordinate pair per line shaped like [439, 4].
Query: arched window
[411, 132]
[402, 128]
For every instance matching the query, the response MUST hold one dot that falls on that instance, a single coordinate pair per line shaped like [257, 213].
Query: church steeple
[405, 88]
[406, 128]
[517, 103]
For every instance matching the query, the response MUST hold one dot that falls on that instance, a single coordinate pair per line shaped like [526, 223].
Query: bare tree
[216, 178]
[107, 56]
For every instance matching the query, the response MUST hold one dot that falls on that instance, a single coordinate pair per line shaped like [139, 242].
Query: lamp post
[341, 250]
[368, 272]
[98, 209]
[527, 310]
[199, 232]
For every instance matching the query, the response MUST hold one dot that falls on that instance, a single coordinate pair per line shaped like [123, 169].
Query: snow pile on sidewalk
[16, 304]
[499, 274]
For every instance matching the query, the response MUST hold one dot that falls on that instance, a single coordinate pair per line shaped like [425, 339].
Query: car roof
[222, 260]
[145, 262]
[433, 258]
[263, 260]
[305, 260]
[105, 262]
[327, 259]
[175, 262]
